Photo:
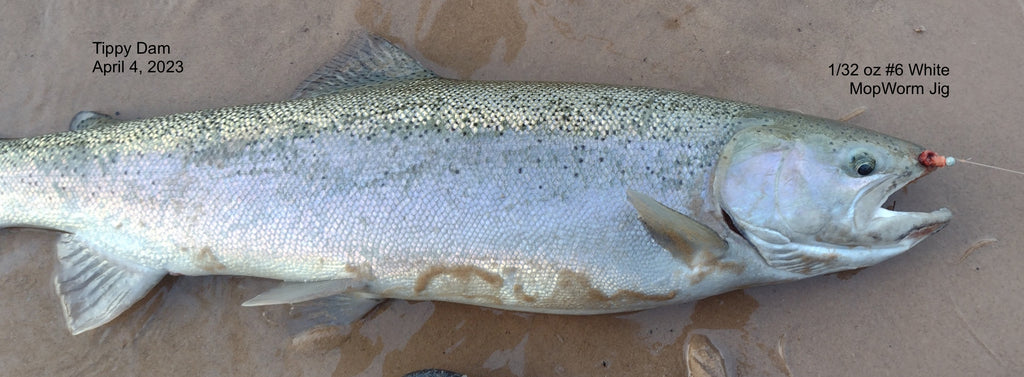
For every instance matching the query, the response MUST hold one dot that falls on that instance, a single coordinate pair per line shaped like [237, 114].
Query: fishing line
[950, 161]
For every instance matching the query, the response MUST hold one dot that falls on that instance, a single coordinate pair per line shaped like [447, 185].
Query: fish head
[807, 193]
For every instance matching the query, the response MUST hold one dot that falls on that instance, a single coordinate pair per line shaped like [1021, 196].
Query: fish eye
[863, 164]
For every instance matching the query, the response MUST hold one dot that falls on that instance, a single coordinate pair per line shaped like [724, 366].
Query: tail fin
[95, 289]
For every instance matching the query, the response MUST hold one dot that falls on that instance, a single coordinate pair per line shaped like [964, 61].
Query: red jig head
[934, 160]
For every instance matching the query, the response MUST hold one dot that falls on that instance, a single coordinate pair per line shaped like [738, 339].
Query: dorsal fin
[681, 235]
[366, 60]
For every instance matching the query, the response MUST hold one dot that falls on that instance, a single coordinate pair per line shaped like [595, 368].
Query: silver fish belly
[382, 180]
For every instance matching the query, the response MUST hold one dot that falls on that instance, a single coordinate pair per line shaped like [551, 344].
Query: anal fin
[95, 289]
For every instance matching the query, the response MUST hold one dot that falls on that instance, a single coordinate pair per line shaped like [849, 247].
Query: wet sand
[928, 312]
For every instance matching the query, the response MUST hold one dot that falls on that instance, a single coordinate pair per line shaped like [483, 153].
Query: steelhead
[382, 180]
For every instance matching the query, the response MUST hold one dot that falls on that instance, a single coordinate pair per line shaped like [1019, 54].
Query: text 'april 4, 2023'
[134, 58]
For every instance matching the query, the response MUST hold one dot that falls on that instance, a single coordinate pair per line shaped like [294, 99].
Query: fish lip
[870, 217]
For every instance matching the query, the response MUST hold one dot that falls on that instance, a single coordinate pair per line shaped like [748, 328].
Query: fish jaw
[807, 193]
[903, 229]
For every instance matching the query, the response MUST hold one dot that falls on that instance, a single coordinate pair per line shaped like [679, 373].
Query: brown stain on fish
[710, 264]
[462, 273]
[521, 295]
[359, 272]
[571, 289]
[811, 261]
[717, 266]
[674, 241]
[206, 261]
[572, 286]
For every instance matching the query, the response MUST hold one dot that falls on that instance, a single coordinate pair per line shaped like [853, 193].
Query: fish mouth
[894, 229]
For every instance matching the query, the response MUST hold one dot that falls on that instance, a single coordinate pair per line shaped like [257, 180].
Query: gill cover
[807, 193]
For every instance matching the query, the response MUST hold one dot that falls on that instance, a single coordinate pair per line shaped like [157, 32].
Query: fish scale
[204, 165]
[384, 181]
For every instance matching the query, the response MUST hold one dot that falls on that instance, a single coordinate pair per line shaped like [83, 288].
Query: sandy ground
[929, 312]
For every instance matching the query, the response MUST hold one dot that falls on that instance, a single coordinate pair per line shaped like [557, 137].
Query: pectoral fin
[95, 289]
[676, 232]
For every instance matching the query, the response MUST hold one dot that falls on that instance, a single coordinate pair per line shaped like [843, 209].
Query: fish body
[382, 180]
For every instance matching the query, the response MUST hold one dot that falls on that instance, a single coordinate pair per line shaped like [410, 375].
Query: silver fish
[383, 180]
